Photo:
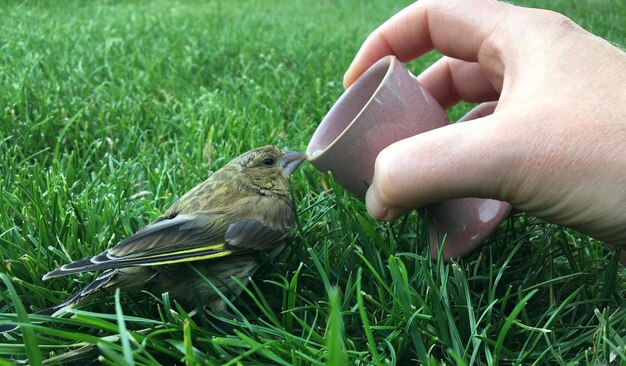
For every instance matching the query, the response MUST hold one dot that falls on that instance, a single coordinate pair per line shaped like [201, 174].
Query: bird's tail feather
[102, 281]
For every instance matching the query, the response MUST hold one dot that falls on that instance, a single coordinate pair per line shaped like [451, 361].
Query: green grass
[110, 110]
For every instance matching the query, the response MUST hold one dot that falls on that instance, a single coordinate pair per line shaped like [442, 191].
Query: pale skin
[555, 146]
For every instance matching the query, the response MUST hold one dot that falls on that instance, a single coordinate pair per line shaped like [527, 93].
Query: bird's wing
[173, 234]
[183, 238]
[179, 239]
[253, 235]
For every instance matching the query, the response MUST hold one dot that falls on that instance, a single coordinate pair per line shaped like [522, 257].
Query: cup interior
[347, 108]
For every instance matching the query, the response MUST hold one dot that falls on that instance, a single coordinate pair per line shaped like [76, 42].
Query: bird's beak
[291, 160]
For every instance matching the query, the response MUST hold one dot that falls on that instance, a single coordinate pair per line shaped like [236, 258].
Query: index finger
[457, 28]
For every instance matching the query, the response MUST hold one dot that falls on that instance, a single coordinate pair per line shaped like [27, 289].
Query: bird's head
[268, 168]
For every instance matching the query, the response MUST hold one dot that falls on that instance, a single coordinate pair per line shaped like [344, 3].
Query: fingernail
[348, 76]
[345, 79]
[374, 207]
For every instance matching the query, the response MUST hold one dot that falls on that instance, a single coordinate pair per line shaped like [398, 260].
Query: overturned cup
[387, 104]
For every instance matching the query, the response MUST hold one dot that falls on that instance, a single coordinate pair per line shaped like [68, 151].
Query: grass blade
[510, 320]
[337, 355]
[30, 340]
[371, 344]
[127, 351]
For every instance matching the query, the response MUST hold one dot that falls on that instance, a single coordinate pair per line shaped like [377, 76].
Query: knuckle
[549, 19]
[374, 36]
[559, 20]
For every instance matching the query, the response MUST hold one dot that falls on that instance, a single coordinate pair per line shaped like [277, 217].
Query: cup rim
[393, 60]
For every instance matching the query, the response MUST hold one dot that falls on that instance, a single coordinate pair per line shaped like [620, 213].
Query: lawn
[111, 110]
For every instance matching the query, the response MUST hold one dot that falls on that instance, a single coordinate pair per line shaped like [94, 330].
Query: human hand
[556, 145]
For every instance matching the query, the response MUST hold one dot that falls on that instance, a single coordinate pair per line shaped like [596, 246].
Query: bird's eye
[268, 161]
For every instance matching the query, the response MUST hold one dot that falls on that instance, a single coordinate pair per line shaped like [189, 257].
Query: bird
[226, 227]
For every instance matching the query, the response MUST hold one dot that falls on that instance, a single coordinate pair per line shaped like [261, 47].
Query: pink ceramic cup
[387, 104]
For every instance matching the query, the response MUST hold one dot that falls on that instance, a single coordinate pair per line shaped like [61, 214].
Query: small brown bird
[226, 226]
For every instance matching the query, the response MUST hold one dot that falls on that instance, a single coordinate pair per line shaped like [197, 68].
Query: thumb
[455, 161]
